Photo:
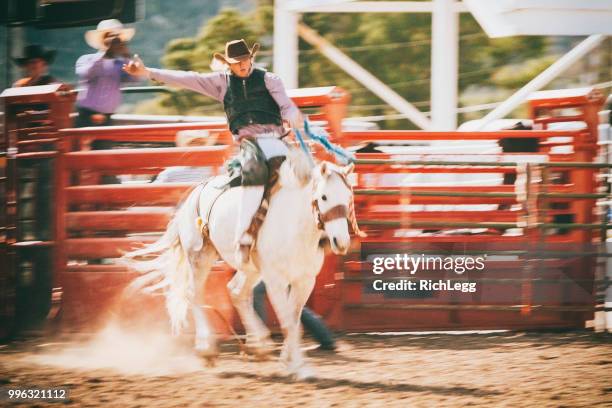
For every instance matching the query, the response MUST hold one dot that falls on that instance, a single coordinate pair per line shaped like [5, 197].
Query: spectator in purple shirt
[101, 74]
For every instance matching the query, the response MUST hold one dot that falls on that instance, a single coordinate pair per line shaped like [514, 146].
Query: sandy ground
[440, 370]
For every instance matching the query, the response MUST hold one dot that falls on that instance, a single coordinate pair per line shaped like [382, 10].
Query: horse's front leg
[288, 310]
[298, 296]
[241, 293]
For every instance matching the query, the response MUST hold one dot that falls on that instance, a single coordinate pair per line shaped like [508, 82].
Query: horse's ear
[348, 169]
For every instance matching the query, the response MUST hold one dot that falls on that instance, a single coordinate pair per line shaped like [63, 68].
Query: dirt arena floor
[571, 369]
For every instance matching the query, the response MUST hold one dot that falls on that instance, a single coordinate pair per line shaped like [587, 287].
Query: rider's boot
[250, 200]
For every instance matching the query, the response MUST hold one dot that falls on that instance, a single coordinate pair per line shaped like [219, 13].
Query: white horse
[311, 204]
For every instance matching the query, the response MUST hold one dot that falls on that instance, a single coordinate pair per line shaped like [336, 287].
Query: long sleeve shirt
[100, 79]
[215, 86]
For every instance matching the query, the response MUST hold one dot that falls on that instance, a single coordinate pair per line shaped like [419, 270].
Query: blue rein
[320, 136]
[300, 139]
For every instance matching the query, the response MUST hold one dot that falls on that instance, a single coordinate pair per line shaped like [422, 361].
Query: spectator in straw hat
[34, 62]
[100, 74]
[257, 107]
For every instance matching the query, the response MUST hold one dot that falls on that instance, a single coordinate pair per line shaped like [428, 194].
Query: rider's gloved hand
[136, 67]
[297, 122]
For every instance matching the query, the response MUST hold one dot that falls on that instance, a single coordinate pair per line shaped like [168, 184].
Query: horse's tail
[170, 263]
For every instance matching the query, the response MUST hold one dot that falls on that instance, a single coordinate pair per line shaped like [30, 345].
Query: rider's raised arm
[213, 84]
[289, 111]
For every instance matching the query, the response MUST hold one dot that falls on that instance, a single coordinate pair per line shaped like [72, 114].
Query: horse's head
[333, 203]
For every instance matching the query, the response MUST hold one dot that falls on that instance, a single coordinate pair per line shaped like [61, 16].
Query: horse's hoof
[304, 373]
[209, 356]
[259, 348]
[262, 355]
[207, 351]
[260, 351]
[210, 361]
[255, 355]
[256, 350]
[300, 371]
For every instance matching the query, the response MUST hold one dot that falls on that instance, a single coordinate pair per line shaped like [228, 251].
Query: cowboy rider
[256, 105]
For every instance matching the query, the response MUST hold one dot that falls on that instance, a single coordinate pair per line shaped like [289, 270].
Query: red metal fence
[542, 276]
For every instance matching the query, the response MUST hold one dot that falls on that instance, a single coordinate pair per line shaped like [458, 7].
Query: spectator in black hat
[34, 62]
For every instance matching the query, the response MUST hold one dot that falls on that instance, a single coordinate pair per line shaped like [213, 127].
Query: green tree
[394, 47]
[195, 54]
[397, 49]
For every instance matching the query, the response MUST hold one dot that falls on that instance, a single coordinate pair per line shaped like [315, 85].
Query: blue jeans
[312, 322]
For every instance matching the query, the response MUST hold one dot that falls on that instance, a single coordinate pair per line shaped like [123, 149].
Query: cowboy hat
[95, 38]
[34, 51]
[236, 51]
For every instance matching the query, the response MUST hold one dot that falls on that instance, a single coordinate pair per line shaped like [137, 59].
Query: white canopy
[504, 18]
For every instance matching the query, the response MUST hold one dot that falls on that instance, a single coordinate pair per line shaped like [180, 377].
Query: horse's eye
[324, 197]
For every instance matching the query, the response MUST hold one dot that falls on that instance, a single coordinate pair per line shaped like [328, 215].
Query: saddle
[270, 188]
[235, 179]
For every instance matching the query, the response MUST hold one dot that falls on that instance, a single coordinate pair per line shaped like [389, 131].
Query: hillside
[163, 21]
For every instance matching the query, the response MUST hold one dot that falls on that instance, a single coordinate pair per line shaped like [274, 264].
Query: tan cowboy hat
[236, 51]
[95, 38]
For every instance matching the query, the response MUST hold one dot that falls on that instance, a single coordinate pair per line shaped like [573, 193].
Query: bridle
[334, 213]
[339, 211]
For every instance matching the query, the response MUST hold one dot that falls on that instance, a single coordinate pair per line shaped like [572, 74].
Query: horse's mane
[300, 165]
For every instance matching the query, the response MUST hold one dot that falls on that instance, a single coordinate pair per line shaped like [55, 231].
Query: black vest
[248, 101]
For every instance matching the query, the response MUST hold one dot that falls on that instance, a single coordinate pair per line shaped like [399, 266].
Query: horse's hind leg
[241, 293]
[205, 340]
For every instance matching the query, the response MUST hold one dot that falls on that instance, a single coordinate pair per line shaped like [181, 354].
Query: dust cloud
[128, 351]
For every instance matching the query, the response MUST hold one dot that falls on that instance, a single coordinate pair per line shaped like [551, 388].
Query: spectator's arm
[89, 66]
[20, 82]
